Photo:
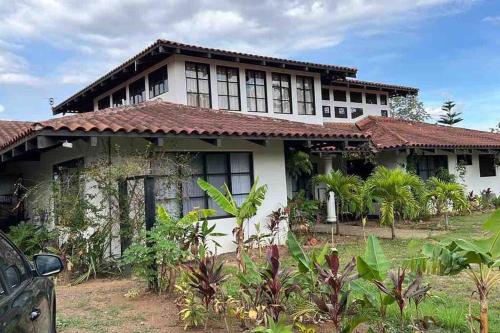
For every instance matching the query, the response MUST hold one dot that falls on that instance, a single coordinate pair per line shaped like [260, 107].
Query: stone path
[380, 232]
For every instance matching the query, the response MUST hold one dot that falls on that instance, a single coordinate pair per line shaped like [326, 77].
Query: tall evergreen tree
[450, 117]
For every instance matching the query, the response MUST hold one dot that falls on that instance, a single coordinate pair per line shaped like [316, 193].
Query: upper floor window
[119, 97]
[281, 93]
[340, 112]
[327, 111]
[371, 98]
[325, 94]
[356, 97]
[305, 95]
[487, 167]
[198, 85]
[158, 82]
[384, 113]
[228, 88]
[103, 103]
[137, 91]
[356, 112]
[339, 96]
[256, 91]
[383, 99]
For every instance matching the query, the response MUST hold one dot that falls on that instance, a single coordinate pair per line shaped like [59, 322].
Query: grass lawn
[100, 306]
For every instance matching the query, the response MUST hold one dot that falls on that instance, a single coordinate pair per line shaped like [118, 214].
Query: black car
[27, 296]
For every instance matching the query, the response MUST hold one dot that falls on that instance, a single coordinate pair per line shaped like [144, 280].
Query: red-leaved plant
[206, 279]
[334, 301]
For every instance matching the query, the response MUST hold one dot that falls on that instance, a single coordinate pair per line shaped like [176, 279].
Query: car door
[22, 309]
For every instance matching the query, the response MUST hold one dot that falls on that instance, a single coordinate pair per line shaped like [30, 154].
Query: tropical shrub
[344, 187]
[395, 190]
[32, 238]
[302, 213]
[274, 221]
[242, 212]
[446, 196]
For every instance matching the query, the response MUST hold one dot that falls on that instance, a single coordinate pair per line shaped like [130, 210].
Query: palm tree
[243, 212]
[362, 203]
[395, 189]
[343, 186]
[446, 195]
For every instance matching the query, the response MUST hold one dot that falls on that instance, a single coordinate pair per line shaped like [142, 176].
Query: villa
[238, 115]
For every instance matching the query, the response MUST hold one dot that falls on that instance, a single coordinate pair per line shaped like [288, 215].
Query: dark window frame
[136, 92]
[197, 65]
[336, 93]
[160, 85]
[337, 112]
[227, 82]
[369, 98]
[280, 87]
[383, 99]
[423, 164]
[492, 168]
[302, 91]
[355, 100]
[254, 86]
[327, 114]
[354, 112]
[325, 91]
[384, 113]
[464, 159]
[124, 99]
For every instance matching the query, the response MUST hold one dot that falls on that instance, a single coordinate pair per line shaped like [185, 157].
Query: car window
[2, 291]
[12, 265]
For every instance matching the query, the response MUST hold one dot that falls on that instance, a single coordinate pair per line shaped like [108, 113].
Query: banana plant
[479, 260]
[242, 213]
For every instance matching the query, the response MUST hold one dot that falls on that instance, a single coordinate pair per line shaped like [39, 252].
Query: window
[356, 112]
[427, 166]
[2, 291]
[256, 91]
[371, 98]
[487, 167]
[383, 99]
[281, 94]
[356, 97]
[198, 85]
[68, 185]
[384, 113]
[119, 97]
[305, 95]
[103, 103]
[340, 95]
[12, 266]
[325, 94]
[465, 159]
[340, 112]
[228, 88]
[158, 82]
[137, 91]
[233, 169]
[326, 111]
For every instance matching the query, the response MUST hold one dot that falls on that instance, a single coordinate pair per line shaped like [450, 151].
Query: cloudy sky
[447, 48]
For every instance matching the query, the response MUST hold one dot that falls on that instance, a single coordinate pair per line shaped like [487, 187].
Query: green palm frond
[224, 200]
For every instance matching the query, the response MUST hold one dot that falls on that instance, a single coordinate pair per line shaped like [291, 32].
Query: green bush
[31, 238]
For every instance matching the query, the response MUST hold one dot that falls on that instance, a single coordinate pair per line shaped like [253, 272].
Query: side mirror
[48, 264]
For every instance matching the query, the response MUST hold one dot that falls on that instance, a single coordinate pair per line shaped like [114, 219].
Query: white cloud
[492, 19]
[102, 33]
[2, 108]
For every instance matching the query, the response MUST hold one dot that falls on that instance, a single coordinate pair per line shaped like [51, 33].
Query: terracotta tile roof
[11, 131]
[387, 133]
[158, 117]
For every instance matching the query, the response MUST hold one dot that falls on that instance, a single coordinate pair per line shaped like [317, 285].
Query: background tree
[408, 108]
[343, 186]
[496, 129]
[450, 117]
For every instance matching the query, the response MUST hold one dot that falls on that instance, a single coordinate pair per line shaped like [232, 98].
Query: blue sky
[447, 48]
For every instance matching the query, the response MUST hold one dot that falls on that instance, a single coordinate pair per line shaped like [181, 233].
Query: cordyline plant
[415, 291]
[334, 303]
[478, 259]
[206, 278]
[242, 213]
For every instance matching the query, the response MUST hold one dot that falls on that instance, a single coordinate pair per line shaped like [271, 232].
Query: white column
[331, 212]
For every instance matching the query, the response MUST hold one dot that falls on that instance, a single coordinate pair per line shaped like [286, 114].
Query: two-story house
[238, 115]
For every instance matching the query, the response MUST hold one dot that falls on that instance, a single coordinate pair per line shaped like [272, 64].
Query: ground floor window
[487, 167]
[427, 166]
[234, 169]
